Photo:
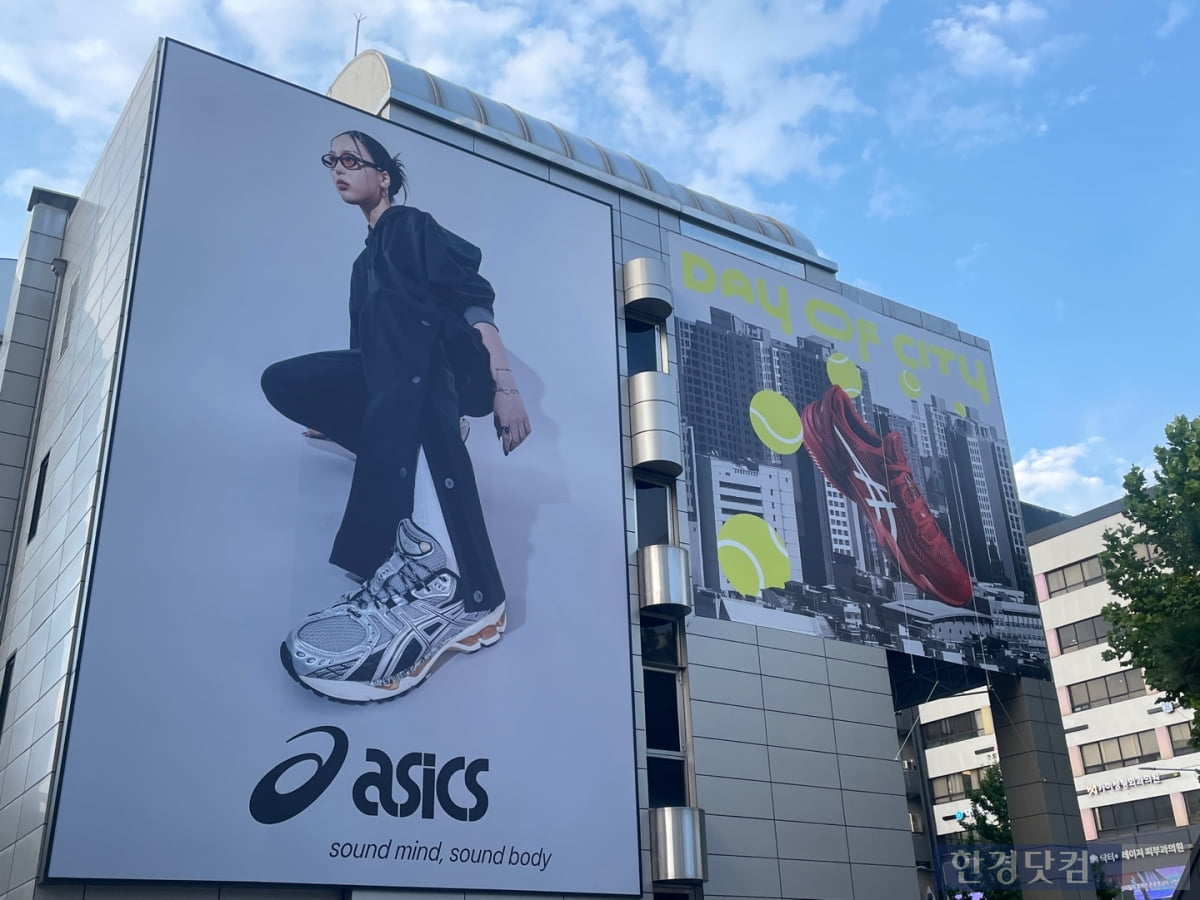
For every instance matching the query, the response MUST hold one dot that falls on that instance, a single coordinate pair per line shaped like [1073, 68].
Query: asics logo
[270, 807]
[424, 784]
[878, 500]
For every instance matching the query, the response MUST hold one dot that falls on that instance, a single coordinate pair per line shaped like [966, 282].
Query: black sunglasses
[348, 161]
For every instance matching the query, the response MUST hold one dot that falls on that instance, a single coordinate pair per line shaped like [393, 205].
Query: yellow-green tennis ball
[960, 408]
[909, 383]
[751, 555]
[844, 373]
[776, 422]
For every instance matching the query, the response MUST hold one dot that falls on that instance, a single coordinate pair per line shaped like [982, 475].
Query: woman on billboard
[424, 351]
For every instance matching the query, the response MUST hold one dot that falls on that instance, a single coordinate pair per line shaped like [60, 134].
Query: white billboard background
[218, 518]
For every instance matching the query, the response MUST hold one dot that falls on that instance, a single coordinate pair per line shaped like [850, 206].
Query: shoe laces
[901, 476]
[391, 582]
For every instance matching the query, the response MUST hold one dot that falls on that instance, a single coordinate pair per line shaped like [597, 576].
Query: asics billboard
[341, 628]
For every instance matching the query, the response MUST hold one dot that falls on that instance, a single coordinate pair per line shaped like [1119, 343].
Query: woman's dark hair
[383, 159]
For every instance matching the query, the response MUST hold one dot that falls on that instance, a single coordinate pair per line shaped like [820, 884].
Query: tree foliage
[1152, 562]
[988, 823]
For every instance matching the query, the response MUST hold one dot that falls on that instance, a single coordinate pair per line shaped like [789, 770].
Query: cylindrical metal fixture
[648, 287]
[665, 580]
[654, 423]
[678, 852]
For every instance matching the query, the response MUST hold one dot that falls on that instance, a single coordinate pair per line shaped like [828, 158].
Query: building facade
[1134, 768]
[651, 723]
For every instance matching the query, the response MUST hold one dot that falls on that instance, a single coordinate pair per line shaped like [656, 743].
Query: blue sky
[1029, 169]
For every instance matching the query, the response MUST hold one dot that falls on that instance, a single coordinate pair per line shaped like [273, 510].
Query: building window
[654, 512]
[5, 689]
[954, 728]
[1116, 753]
[1109, 689]
[1191, 799]
[1150, 814]
[642, 345]
[1181, 738]
[1087, 633]
[662, 678]
[38, 494]
[954, 786]
[1073, 577]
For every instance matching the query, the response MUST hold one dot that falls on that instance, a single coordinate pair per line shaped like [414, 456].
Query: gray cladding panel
[804, 698]
[731, 723]
[869, 810]
[730, 759]
[725, 686]
[730, 836]
[791, 640]
[884, 881]
[800, 803]
[734, 797]
[726, 631]
[869, 656]
[803, 767]
[881, 846]
[880, 776]
[719, 654]
[857, 739]
[859, 677]
[800, 732]
[810, 880]
[861, 706]
[797, 666]
[806, 840]
[742, 876]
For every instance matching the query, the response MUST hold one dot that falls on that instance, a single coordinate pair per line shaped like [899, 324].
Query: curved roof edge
[372, 78]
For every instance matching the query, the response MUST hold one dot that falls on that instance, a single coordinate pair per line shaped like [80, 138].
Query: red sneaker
[875, 474]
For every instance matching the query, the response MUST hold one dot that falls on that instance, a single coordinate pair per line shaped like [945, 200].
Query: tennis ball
[776, 422]
[960, 408]
[751, 555]
[844, 373]
[909, 384]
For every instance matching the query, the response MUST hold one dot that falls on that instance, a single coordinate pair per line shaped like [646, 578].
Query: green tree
[987, 824]
[1152, 562]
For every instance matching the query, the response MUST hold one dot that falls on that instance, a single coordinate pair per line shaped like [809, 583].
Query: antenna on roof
[358, 20]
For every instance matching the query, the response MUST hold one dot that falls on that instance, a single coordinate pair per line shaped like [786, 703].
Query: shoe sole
[483, 633]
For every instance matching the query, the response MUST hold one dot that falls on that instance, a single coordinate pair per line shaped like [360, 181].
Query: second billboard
[848, 472]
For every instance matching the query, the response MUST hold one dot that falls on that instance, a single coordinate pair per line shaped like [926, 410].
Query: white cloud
[976, 50]
[889, 200]
[1064, 478]
[1017, 12]
[733, 97]
[971, 257]
[20, 183]
[1177, 13]
[1079, 97]
[927, 108]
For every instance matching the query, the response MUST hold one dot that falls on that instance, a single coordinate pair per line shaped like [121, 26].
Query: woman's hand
[510, 418]
[508, 409]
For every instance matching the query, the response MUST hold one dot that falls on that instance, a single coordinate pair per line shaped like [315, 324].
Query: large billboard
[357, 613]
[847, 471]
